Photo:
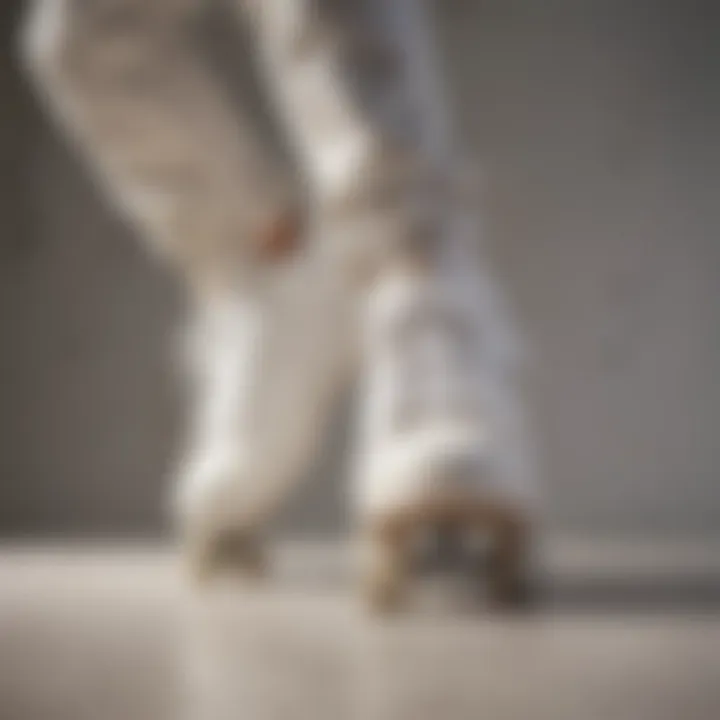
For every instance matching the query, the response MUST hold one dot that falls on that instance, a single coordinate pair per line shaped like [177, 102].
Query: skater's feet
[442, 451]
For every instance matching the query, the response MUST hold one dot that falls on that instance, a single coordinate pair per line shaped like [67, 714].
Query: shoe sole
[388, 573]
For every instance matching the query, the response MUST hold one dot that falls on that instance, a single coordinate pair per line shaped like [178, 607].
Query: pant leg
[361, 94]
[129, 87]
[127, 82]
[358, 88]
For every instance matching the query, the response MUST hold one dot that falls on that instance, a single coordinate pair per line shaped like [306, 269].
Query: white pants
[352, 81]
[355, 86]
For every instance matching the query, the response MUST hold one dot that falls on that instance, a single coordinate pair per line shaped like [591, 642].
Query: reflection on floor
[114, 635]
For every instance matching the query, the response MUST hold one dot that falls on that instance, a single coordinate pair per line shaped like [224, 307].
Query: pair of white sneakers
[356, 87]
[440, 441]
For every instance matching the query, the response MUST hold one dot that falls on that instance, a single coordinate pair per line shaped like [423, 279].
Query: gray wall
[597, 123]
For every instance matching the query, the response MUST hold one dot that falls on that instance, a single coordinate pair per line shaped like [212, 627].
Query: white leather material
[270, 359]
[440, 407]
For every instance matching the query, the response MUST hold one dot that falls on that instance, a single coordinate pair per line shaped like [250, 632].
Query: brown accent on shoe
[387, 574]
[282, 238]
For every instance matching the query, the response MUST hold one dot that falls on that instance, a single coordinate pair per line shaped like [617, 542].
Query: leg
[173, 156]
[269, 362]
[441, 437]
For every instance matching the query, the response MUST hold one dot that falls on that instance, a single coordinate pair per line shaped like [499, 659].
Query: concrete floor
[113, 635]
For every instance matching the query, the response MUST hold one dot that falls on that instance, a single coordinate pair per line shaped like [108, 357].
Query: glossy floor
[108, 635]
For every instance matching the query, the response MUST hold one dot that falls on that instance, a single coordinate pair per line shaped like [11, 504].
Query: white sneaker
[270, 358]
[441, 436]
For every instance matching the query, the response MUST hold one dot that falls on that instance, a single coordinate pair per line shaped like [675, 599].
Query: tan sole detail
[386, 574]
[233, 553]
